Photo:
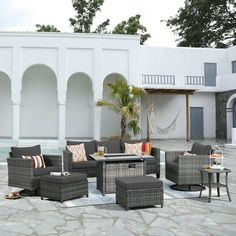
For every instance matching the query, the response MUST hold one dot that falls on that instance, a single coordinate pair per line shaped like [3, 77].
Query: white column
[233, 135]
[16, 81]
[97, 93]
[61, 89]
[16, 121]
[61, 121]
[97, 122]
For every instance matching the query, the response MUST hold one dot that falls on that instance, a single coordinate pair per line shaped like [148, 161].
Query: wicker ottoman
[139, 191]
[61, 188]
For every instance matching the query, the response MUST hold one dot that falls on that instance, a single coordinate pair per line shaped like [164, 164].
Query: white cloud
[22, 15]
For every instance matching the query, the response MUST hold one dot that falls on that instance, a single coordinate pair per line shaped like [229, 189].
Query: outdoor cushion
[112, 146]
[74, 177]
[84, 164]
[138, 182]
[173, 165]
[151, 161]
[133, 148]
[46, 170]
[37, 161]
[18, 152]
[78, 152]
[129, 141]
[200, 149]
[90, 147]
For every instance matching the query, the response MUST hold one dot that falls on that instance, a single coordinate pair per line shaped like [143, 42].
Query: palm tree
[124, 102]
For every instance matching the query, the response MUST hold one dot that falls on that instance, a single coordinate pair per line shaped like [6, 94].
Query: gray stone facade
[221, 113]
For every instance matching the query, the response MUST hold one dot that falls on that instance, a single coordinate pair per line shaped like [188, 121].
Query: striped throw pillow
[38, 161]
[134, 148]
[78, 152]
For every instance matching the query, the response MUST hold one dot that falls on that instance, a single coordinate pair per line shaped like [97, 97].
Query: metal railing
[158, 79]
[194, 80]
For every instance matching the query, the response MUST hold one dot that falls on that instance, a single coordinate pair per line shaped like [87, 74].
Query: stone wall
[221, 113]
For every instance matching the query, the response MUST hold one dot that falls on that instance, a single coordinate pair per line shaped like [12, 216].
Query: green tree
[124, 102]
[85, 12]
[205, 23]
[132, 26]
[46, 28]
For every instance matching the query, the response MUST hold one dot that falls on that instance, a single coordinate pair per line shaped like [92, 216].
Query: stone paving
[32, 216]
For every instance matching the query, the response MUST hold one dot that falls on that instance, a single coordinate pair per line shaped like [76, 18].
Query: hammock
[154, 127]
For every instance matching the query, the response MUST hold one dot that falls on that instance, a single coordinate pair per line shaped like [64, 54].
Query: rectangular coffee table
[111, 166]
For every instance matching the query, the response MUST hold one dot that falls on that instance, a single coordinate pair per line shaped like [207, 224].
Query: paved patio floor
[32, 216]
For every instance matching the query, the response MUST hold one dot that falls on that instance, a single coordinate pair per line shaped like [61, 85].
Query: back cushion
[37, 161]
[200, 149]
[131, 142]
[78, 152]
[133, 148]
[18, 152]
[112, 146]
[90, 147]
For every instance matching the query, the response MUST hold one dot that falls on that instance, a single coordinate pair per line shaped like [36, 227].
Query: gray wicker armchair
[183, 170]
[21, 173]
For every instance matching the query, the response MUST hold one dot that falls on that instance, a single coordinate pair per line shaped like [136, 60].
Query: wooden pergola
[185, 92]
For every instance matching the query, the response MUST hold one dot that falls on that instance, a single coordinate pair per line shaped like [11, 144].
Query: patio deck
[31, 216]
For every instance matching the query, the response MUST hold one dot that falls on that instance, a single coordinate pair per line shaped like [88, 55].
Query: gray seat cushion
[138, 182]
[173, 165]
[46, 170]
[151, 161]
[84, 164]
[200, 149]
[112, 146]
[18, 152]
[73, 177]
[90, 147]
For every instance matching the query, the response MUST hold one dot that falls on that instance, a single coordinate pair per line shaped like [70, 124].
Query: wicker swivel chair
[183, 170]
[22, 174]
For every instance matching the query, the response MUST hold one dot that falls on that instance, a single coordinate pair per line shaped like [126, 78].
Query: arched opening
[39, 109]
[110, 121]
[6, 113]
[79, 107]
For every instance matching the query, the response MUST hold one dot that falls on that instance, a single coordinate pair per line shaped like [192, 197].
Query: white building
[50, 82]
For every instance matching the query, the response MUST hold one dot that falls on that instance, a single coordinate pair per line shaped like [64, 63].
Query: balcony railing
[158, 79]
[194, 80]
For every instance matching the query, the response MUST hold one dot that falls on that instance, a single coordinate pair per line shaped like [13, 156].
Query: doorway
[196, 123]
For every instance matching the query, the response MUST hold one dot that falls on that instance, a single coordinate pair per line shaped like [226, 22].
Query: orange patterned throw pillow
[134, 148]
[38, 161]
[78, 152]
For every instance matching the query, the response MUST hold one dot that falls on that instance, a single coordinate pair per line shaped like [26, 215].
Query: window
[233, 66]
[210, 72]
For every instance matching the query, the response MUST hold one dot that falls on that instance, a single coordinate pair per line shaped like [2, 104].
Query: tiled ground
[31, 216]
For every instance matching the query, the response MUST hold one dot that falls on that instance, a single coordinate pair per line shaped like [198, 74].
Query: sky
[23, 15]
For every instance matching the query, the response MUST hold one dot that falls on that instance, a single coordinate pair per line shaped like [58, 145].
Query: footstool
[139, 191]
[61, 188]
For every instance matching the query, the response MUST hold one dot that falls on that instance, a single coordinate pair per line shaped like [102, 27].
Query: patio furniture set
[116, 172]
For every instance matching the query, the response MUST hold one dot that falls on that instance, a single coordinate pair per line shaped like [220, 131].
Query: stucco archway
[6, 112]
[110, 121]
[79, 107]
[39, 106]
[229, 109]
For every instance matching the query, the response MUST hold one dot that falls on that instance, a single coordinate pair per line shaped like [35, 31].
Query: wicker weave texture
[139, 198]
[186, 170]
[61, 192]
[107, 172]
[21, 171]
